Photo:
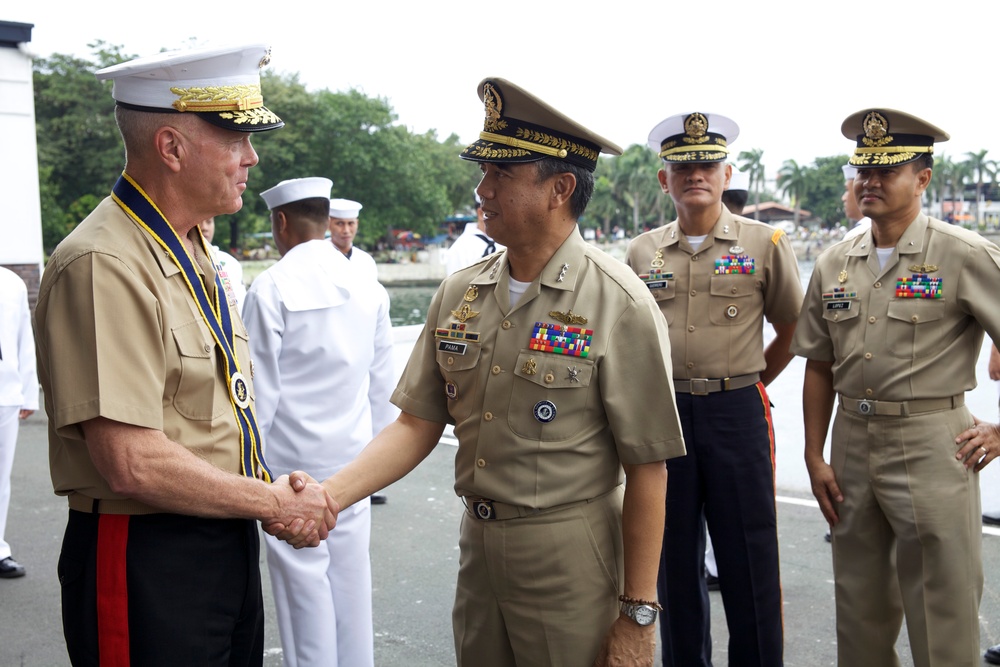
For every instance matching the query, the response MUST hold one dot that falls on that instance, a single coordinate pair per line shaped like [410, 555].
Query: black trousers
[726, 479]
[161, 589]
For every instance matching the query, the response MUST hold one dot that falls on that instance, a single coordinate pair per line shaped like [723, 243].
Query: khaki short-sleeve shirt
[539, 428]
[715, 298]
[119, 336]
[910, 330]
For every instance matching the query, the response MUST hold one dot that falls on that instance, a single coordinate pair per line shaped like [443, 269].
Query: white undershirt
[696, 241]
[883, 256]
[517, 290]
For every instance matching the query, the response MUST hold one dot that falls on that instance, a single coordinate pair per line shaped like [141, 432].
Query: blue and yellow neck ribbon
[140, 208]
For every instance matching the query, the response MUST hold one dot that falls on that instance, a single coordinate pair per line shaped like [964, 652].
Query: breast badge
[544, 411]
[464, 313]
[451, 390]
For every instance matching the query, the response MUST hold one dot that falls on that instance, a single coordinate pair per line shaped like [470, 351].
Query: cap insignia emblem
[696, 129]
[876, 129]
[265, 60]
[494, 109]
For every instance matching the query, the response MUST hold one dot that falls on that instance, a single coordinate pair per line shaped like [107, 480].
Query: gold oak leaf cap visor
[693, 137]
[887, 137]
[221, 84]
[519, 127]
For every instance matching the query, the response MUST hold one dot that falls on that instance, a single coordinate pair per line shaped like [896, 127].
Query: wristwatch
[643, 614]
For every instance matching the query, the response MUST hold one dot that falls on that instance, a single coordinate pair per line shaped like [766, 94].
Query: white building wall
[20, 208]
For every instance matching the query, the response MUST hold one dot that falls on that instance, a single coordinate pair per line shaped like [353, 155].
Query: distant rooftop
[12, 34]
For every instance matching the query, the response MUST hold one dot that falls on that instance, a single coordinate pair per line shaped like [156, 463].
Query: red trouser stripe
[112, 591]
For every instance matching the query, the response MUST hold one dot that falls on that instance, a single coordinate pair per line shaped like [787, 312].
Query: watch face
[644, 614]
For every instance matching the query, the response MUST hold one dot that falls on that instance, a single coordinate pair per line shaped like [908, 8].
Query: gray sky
[788, 72]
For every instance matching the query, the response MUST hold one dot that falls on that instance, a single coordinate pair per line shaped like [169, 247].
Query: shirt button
[549, 378]
[868, 355]
[878, 284]
[450, 361]
[694, 292]
[734, 290]
[208, 348]
[480, 463]
[914, 318]
[871, 320]
[506, 324]
[488, 416]
[869, 392]
[695, 258]
[690, 364]
[496, 370]
[691, 328]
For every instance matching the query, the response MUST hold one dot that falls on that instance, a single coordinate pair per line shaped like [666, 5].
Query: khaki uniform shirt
[886, 344]
[616, 405]
[715, 318]
[120, 336]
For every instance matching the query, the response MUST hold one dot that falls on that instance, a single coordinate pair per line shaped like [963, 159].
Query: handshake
[305, 512]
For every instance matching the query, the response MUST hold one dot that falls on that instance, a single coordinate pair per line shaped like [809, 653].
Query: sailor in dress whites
[472, 244]
[545, 357]
[716, 277]
[891, 328]
[344, 217]
[321, 344]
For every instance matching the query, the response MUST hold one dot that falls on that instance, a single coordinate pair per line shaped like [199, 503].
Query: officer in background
[148, 387]
[321, 341]
[891, 328]
[230, 270]
[472, 244]
[716, 277]
[545, 357]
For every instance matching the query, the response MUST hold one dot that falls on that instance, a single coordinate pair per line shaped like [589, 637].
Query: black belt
[900, 408]
[705, 386]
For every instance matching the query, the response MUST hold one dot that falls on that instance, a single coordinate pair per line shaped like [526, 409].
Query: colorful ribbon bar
[839, 293]
[559, 339]
[733, 264]
[456, 332]
[919, 286]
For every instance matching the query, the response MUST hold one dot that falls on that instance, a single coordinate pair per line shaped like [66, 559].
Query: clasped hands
[306, 512]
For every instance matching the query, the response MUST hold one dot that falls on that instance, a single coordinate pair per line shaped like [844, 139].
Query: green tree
[751, 162]
[80, 152]
[793, 182]
[824, 187]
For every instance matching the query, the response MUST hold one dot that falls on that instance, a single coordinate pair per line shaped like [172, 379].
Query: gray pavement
[415, 559]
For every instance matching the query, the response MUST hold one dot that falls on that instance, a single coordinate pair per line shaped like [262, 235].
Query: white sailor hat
[344, 209]
[221, 84]
[297, 189]
[520, 127]
[740, 180]
[694, 137]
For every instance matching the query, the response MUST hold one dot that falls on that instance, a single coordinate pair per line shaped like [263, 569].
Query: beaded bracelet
[636, 601]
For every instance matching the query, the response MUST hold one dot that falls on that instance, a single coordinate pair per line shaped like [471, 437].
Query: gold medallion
[530, 367]
[842, 276]
[472, 293]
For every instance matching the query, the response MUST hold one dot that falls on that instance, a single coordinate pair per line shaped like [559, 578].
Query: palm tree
[750, 162]
[980, 168]
[793, 182]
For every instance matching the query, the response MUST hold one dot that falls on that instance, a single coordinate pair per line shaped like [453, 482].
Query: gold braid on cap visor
[560, 152]
[887, 155]
[241, 97]
[714, 148]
